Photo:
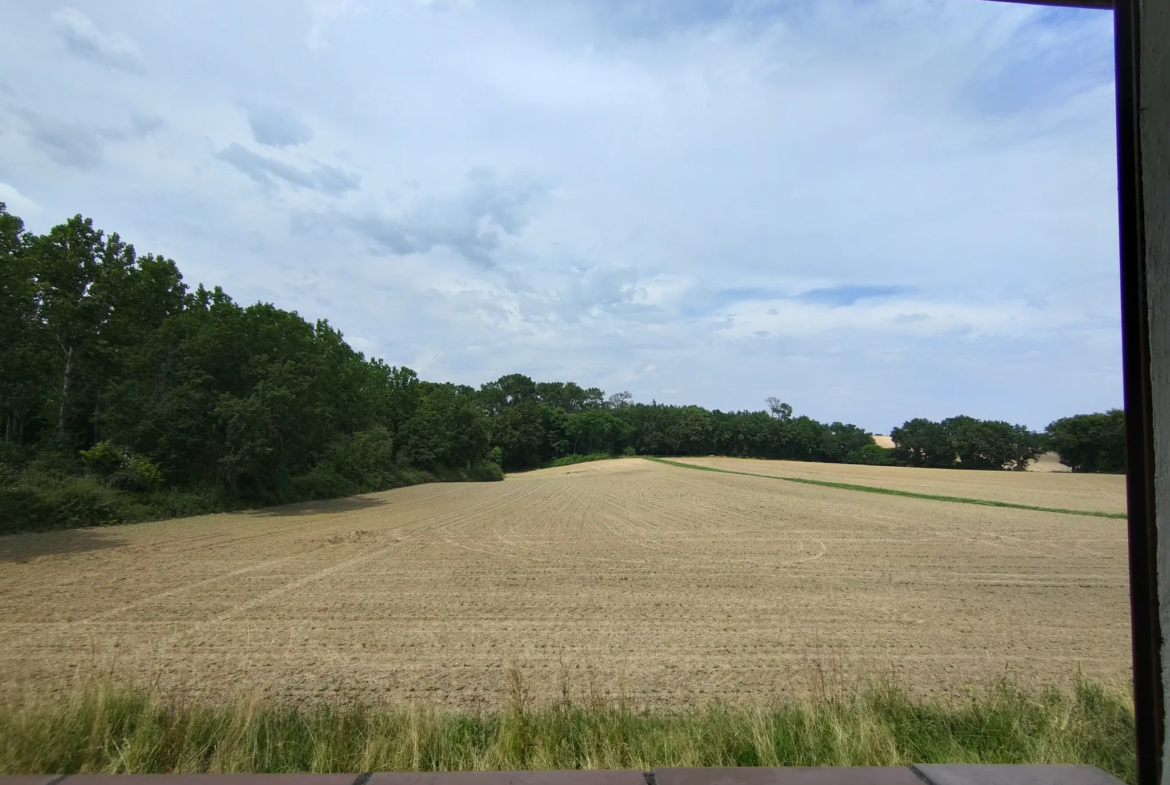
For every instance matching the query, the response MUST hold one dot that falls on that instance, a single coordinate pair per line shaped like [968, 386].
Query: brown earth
[672, 585]
[1048, 462]
[1062, 490]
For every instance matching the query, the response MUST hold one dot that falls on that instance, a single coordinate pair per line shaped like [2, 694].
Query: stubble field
[669, 585]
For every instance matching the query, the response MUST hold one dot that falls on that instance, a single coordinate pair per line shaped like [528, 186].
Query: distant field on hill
[1088, 492]
[672, 585]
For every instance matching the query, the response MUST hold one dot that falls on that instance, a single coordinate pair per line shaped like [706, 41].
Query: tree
[1090, 442]
[449, 430]
[778, 408]
[597, 430]
[990, 444]
[619, 400]
[922, 442]
[554, 423]
[22, 377]
[508, 391]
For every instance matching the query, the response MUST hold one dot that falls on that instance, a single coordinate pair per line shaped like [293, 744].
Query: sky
[872, 210]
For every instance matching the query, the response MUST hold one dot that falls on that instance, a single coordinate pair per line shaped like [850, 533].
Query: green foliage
[921, 442]
[112, 729]
[966, 443]
[126, 395]
[1090, 442]
[872, 455]
[104, 458]
[449, 430]
[29, 505]
[569, 460]
[115, 374]
[121, 468]
[483, 472]
[365, 459]
[990, 444]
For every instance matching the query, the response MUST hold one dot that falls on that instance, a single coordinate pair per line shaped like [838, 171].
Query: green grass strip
[113, 729]
[891, 492]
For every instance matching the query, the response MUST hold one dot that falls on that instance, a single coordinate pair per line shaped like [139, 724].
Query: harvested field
[1088, 492]
[674, 585]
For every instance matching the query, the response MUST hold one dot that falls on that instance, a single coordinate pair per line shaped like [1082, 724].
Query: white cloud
[17, 203]
[473, 222]
[83, 38]
[324, 14]
[275, 126]
[656, 185]
[265, 172]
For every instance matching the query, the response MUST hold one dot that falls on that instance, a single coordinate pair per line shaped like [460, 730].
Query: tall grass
[108, 728]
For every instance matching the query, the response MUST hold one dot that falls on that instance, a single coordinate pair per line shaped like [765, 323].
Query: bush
[569, 460]
[12, 454]
[63, 504]
[484, 472]
[103, 459]
[321, 483]
[629, 452]
[872, 455]
[183, 503]
[53, 465]
[121, 468]
[359, 462]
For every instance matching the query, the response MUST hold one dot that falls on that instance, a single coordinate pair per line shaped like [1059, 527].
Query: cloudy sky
[873, 210]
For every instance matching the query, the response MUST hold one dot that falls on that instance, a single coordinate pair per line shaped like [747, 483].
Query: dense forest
[126, 395]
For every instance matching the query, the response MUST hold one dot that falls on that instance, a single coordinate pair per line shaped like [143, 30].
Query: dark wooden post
[1142, 35]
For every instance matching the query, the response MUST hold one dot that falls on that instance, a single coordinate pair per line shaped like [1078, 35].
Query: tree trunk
[64, 394]
[96, 411]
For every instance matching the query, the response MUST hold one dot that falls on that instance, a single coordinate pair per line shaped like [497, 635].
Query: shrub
[321, 483]
[63, 504]
[12, 454]
[483, 472]
[569, 460]
[103, 459]
[486, 472]
[362, 461]
[872, 455]
[121, 468]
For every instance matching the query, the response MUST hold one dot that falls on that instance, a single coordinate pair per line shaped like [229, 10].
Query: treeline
[126, 395]
[1084, 443]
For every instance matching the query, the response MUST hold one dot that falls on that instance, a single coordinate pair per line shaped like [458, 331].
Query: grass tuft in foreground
[106, 728]
[892, 492]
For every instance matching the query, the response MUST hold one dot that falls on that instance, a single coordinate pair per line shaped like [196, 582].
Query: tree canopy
[1090, 442]
[117, 377]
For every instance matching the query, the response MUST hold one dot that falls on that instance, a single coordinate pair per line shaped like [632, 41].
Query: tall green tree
[22, 376]
[991, 444]
[923, 442]
[1090, 442]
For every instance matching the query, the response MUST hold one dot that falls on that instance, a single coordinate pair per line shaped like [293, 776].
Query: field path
[672, 586]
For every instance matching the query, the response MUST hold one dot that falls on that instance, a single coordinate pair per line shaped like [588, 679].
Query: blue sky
[873, 210]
